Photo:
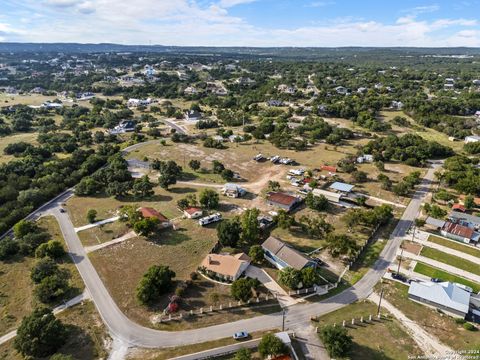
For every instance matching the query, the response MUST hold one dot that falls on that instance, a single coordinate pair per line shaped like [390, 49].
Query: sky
[334, 23]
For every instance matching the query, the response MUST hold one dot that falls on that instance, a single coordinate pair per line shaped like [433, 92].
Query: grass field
[440, 274]
[16, 288]
[104, 233]
[87, 335]
[451, 260]
[30, 138]
[384, 339]
[169, 353]
[443, 327]
[452, 244]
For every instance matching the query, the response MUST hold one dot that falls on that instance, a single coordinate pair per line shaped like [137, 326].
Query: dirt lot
[412, 247]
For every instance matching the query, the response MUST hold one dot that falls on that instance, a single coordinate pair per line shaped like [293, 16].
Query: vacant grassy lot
[393, 343]
[103, 233]
[30, 138]
[440, 274]
[87, 335]
[169, 353]
[122, 266]
[16, 288]
[452, 244]
[439, 325]
[451, 260]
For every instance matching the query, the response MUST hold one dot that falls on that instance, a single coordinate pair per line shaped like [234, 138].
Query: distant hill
[285, 52]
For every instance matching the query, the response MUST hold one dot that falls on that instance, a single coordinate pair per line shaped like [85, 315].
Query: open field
[103, 233]
[426, 133]
[443, 327]
[16, 288]
[189, 349]
[440, 274]
[451, 260]
[122, 266]
[452, 244]
[394, 342]
[87, 337]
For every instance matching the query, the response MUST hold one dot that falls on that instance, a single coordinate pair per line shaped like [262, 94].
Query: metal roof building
[445, 296]
[342, 187]
[331, 196]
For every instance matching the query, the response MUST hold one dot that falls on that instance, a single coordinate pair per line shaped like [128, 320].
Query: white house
[193, 212]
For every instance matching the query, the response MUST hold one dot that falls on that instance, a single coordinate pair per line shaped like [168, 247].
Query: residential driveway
[98, 223]
[283, 298]
[428, 343]
[310, 343]
[129, 235]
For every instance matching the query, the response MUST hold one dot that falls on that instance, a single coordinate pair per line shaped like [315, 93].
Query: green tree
[401, 189]
[336, 340]
[273, 186]
[256, 253]
[319, 203]
[228, 232]
[43, 268]
[243, 354]
[291, 278]
[143, 187]
[194, 164]
[341, 244]
[91, 215]
[316, 227]
[40, 334]
[359, 176]
[242, 289]
[53, 249]
[61, 357]
[250, 227]
[146, 226]
[284, 220]
[155, 282]
[310, 277]
[24, 227]
[52, 287]
[469, 202]
[209, 199]
[217, 167]
[270, 345]
[130, 214]
[227, 175]
[8, 248]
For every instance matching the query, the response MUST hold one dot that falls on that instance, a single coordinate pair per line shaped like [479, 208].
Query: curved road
[136, 335]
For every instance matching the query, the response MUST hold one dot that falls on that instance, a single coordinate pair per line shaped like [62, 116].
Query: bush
[8, 248]
[53, 249]
[194, 275]
[155, 282]
[272, 346]
[469, 327]
[337, 341]
[460, 321]
[241, 289]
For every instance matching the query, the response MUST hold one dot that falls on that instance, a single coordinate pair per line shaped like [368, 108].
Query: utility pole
[400, 260]
[380, 301]
[283, 319]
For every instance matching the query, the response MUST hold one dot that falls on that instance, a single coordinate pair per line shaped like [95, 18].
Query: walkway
[429, 344]
[283, 298]
[98, 223]
[224, 350]
[118, 240]
[443, 266]
[76, 300]
[385, 201]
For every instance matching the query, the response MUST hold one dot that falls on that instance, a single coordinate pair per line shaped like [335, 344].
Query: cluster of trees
[169, 172]
[28, 236]
[51, 281]
[144, 226]
[407, 184]
[337, 341]
[461, 174]
[154, 283]
[243, 289]
[380, 215]
[242, 228]
[296, 279]
[410, 148]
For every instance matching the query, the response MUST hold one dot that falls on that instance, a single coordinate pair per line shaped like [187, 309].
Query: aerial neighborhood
[239, 203]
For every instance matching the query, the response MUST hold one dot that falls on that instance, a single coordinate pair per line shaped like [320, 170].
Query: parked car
[436, 280]
[240, 335]
[62, 210]
[398, 276]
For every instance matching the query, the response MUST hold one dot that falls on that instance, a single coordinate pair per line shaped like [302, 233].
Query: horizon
[243, 23]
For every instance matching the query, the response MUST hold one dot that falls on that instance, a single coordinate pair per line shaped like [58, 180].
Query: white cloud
[317, 4]
[190, 22]
[61, 3]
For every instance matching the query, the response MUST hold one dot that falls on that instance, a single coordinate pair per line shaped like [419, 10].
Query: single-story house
[331, 196]
[282, 200]
[149, 212]
[446, 296]
[459, 207]
[435, 224]
[274, 102]
[328, 168]
[468, 220]
[459, 232]
[233, 190]
[282, 255]
[193, 115]
[123, 127]
[227, 267]
[193, 212]
[366, 158]
[341, 187]
[472, 138]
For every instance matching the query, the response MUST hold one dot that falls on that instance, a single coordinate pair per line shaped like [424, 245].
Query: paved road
[296, 316]
[172, 124]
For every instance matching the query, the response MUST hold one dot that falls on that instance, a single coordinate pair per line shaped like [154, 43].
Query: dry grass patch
[103, 233]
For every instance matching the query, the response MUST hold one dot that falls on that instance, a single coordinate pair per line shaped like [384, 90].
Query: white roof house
[445, 296]
[472, 138]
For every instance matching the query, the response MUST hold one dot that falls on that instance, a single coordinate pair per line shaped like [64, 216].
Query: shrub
[469, 327]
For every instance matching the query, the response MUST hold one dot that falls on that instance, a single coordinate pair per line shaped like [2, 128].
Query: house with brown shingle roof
[149, 212]
[225, 266]
[282, 255]
[282, 200]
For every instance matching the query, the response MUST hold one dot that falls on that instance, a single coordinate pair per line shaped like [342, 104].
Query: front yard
[451, 260]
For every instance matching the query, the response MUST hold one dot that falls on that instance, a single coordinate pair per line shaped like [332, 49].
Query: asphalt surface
[296, 316]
